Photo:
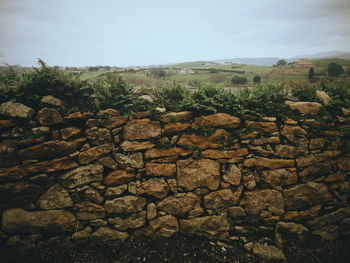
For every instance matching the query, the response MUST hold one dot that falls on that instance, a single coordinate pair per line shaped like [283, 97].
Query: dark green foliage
[340, 95]
[335, 70]
[311, 74]
[257, 79]
[170, 97]
[304, 91]
[280, 63]
[238, 80]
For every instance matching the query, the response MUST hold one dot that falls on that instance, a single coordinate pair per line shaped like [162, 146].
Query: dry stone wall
[218, 176]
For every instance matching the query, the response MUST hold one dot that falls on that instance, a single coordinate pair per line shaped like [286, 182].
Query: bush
[304, 91]
[257, 79]
[170, 97]
[334, 69]
[238, 80]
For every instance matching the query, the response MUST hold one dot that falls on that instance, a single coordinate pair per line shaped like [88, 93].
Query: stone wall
[259, 182]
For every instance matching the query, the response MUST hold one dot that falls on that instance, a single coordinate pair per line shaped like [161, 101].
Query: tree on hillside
[334, 69]
[257, 79]
[281, 63]
[238, 80]
[311, 74]
[158, 72]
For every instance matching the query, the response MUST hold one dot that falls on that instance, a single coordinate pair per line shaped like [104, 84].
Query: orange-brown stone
[220, 120]
[160, 169]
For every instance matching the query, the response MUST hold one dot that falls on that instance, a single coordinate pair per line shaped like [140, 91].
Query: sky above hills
[145, 32]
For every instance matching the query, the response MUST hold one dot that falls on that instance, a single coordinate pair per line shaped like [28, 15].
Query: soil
[174, 249]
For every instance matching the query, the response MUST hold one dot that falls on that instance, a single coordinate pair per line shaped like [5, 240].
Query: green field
[219, 75]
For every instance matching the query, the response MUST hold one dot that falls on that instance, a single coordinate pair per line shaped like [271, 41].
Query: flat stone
[159, 153]
[132, 146]
[209, 226]
[118, 177]
[268, 163]
[269, 140]
[156, 187]
[15, 110]
[309, 108]
[290, 232]
[330, 218]
[54, 165]
[176, 116]
[139, 129]
[294, 134]
[17, 220]
[233, 175]
[262, 126]
[116, 190]
[224, 154]
[219, 120]
[133, 160]
[288, 151]
[316, 158]
[18, 193]
[280, 177]
[198, 173]
[56, 197]
[151, 211]
[48, 116]
[305, 195]
[218, 139]
[95, 153]
[236, 212]
[108, 162]
[89, 211]
[176, 127]
[69, 132]
[222, 198]
[179, 205]
[109, 234]
[82, 175]
[258, 201]
[78, 116]
[109, 112]
[50, 149]
[125, 204]
[268, 252]
[12, 174]
[160, 169]
[302, 215]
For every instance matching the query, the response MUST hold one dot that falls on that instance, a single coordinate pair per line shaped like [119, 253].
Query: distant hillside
[264, 61]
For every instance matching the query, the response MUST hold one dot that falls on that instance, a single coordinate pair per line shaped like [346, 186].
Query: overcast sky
[144, 32]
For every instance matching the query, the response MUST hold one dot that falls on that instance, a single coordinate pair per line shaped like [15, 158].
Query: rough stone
[158, 169]
[179, 205]
[118, 177]
[116, 190]
[78, 116]
[309, 108]
[222, 198]
[17, 220]
[15, 110]
[8, 153]
[290, 232]
[109, 234]
[89, 211]
[176, 127]
[98, 136]
[176, 116]
[280, 177]
[288, 151]
[316, 158]
[225, 154]
[93, 195]
[109, 112]
[236, 212]
[55, 198]
[51, 100]
[233, 175]
[133, 160]
[163, 226]
[95, 153]
[302, 215]
[218, 139]
[269, 140]
[305, 195]
[198, 173]
[209, 226]
[50, 149]
[82, 175]
[139, 129]
[323, 97]
[330, 218]
[294, 134]
[54, 165]
[262, 126]
[109, 162]
[268, 163]
[18, 193]
[133, 221]
[156, 187]
[114, 122]
[158, 153]
[130, 146]
[268, 252]
[48, 116]
[151, 211]
[83, 234]
[258, 201]
[125, 204]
